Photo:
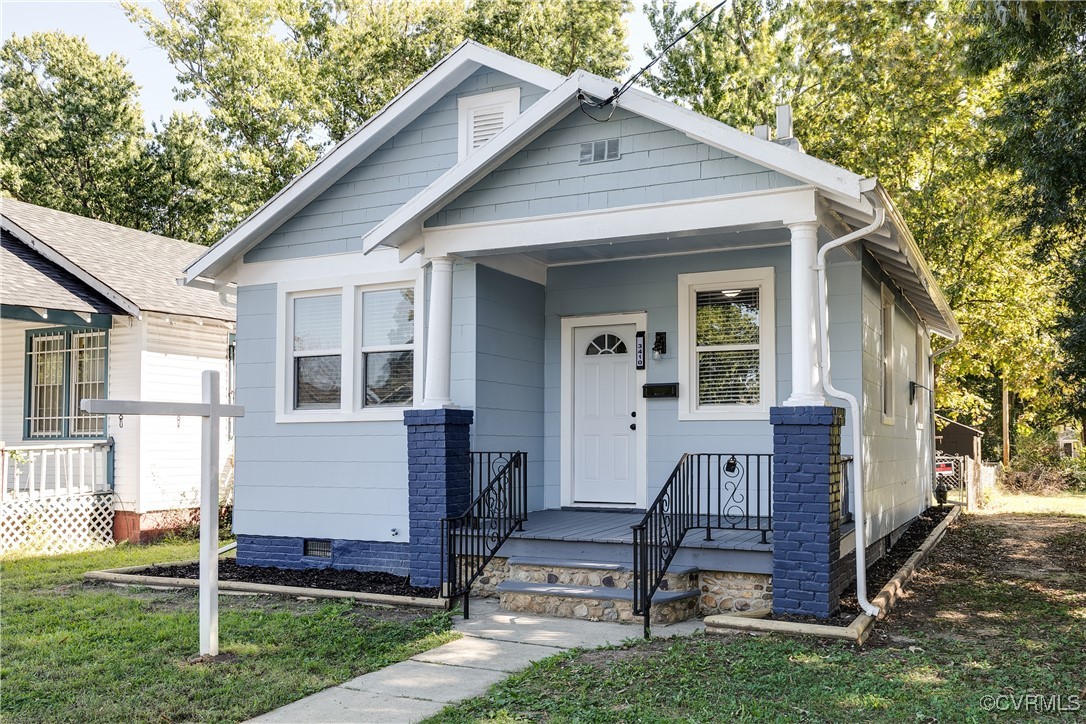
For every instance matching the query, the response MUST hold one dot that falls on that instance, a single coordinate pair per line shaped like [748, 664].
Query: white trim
[449, 72]
[888, 354]
[50, 254]
[689, 285]
[806, 381]
[507, 101]
[566, 412]
[757, 209]
[349, 287]
[307, 271]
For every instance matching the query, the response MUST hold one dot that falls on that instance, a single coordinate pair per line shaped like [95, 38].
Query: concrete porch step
[593, 603]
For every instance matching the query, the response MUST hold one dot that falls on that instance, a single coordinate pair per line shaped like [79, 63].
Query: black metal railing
[470, 540]
[706, 491]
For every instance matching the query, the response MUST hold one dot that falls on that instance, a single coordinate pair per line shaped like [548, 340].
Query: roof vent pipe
[784, 121]
[859, 513]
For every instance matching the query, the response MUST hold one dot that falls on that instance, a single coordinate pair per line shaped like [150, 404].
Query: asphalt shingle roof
[30, 280]
[139, 266]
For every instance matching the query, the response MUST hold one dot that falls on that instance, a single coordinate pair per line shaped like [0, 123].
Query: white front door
[604, 415]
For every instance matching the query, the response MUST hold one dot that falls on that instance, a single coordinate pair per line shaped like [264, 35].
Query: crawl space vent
[317, 548]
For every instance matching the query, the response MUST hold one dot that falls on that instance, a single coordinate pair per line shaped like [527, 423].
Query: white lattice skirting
[57, 525]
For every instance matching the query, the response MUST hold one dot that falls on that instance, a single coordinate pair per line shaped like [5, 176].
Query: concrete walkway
[495, 644]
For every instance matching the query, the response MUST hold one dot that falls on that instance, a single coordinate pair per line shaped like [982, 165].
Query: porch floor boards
[616, 527]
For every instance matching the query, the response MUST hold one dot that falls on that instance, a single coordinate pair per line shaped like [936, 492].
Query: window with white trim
[921, 399]
[387, 347]
[350, 352]
[65, 366]
[886, 354]
[483, 116]
[726, 344]
[317, 352]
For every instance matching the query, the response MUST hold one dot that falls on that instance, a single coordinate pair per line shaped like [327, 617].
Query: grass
[1000, 609]
[82, 652]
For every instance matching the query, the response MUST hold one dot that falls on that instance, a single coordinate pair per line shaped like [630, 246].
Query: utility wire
[618, 91]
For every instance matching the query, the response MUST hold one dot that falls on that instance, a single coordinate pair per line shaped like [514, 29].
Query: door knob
[633, 425]
[633, 414]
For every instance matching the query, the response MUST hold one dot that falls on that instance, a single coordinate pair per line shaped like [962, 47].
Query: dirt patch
[216, 659]
[326, 578]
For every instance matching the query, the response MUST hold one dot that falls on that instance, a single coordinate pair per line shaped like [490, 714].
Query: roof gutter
[859, 513]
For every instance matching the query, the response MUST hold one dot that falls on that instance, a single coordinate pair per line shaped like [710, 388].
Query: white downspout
[859, 513]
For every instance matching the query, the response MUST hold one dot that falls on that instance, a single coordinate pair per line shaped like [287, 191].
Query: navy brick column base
[438, 482]
[806, 509]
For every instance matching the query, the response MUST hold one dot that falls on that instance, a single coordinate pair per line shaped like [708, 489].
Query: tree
[879, 88]
[283, 78]
[1042, 49]
[72, 128]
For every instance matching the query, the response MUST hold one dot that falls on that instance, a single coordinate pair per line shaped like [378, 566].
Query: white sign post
[210, 410]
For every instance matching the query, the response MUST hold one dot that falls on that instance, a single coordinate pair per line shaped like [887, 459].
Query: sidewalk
[495, 644]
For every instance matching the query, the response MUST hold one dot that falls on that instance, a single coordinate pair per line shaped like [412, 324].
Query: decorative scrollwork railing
[706, 491]
[469, 541]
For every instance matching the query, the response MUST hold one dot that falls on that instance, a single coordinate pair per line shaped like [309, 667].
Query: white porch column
[439, 335]
[806, 382]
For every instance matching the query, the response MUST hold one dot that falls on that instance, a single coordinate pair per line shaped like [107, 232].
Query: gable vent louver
[485, 124]
[596, 151]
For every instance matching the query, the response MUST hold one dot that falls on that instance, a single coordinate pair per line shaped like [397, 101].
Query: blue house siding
[409, 162]
[333, 480]
[509, 370]
[657, 164]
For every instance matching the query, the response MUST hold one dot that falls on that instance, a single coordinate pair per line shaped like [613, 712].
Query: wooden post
[1006, 425]
[209, 518]
[211, 411]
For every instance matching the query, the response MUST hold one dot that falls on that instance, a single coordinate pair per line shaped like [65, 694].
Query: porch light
[731, 293]
[731, 465]
[659, 345]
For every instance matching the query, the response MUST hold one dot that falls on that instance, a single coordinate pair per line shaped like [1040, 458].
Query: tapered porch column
[439, 335]
[806, 381]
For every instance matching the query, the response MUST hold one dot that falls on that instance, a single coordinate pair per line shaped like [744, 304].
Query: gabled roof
[133, 270]
[406, 222]
[31, 280]
[448, 73]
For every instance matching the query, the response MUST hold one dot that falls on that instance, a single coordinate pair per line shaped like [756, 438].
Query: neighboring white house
[91, 310]
[621, 290]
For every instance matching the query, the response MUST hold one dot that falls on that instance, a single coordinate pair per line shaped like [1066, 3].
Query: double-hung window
[726, 344]
[318, 352]
[63, 367]
[349, 352]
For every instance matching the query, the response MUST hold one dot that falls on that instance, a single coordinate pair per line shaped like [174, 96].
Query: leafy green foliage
[879, 88]
[82, 652]
[74, 140]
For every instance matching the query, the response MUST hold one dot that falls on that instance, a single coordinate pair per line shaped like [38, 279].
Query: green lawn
[80, 652]
[999, 610]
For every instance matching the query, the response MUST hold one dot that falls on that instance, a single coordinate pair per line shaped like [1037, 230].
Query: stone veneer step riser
[595, 578]
[592, 609]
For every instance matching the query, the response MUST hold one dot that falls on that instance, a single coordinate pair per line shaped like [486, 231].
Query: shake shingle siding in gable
[657, 164]
[425, 149]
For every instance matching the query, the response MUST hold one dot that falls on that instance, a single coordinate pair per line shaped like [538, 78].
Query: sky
[107, 30]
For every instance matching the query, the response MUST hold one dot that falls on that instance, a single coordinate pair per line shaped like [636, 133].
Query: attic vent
[317, 548]
[481, 117]
[599, 151]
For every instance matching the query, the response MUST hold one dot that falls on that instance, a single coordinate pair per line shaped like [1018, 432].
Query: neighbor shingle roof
[139, 266]
[31, 280]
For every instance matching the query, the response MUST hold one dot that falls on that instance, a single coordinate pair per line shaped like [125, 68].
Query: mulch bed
[881, 571]
[327, 578]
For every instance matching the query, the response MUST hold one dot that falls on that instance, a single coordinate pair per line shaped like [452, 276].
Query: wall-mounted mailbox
[660, 390]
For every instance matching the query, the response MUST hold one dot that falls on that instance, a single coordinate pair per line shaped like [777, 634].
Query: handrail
[710, 491]
[470, 540]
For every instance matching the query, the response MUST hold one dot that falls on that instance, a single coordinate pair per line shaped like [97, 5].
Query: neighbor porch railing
[469, 541]
[52, 470]
[706, 491]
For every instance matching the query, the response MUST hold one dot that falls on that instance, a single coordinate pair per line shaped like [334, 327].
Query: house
[514, 317]
[90, 310]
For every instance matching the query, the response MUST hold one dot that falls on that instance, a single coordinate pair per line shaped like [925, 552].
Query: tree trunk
[1006, 425]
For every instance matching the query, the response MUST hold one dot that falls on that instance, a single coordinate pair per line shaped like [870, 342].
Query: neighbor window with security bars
[65, 366]
[726, 344]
